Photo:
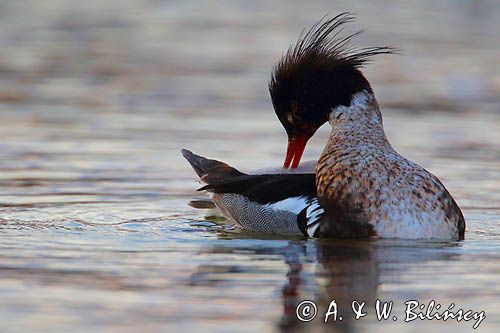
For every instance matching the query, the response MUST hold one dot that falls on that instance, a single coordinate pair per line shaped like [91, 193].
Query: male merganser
[361, 187]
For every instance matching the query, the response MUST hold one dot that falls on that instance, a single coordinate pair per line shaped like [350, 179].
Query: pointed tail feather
[208, 170]
[204, 203]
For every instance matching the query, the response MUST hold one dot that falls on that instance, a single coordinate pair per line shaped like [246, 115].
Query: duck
[360, 187]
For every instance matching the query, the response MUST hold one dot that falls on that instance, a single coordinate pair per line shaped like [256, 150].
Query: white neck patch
[359, 101]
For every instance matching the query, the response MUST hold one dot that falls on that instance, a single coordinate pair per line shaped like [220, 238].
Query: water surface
[96, 100]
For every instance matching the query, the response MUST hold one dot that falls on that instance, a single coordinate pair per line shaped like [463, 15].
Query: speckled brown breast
[361, 176]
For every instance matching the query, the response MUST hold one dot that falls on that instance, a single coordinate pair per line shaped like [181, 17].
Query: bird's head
[317, 74]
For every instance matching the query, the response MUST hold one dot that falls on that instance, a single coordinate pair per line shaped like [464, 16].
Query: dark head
[319, 73]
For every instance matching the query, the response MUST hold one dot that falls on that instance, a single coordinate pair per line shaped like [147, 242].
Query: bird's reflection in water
[322, 271]
[351, 270]
[345, 271]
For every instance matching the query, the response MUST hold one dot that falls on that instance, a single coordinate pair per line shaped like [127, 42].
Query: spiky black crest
[319, 72]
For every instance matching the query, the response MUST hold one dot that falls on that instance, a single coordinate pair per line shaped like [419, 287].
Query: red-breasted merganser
[361, 186]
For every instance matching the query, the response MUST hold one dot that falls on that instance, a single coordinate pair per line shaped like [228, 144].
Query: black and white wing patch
[309, 218]
[267, 189]
[269, 203]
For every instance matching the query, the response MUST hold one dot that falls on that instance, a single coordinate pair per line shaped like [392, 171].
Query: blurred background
[98, 97]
